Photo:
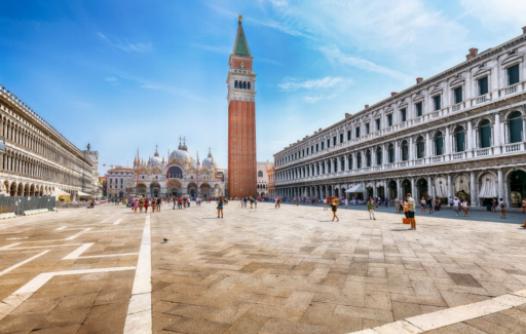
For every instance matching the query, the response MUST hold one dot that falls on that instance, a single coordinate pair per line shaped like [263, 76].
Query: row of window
[515, 134]
[458, 97]
[242, 84]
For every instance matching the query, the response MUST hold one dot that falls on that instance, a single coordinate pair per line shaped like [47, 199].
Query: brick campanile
[241, 119]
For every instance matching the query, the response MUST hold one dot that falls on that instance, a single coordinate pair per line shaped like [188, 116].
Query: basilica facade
[459, 133]
[177, 174]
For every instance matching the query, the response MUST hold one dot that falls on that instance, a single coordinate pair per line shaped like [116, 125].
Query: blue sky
[128, 74]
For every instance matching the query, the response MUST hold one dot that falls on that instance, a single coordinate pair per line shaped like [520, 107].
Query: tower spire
[240, 45]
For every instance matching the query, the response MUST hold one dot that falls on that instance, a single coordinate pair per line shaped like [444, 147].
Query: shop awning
[59, 192]
[356, 188]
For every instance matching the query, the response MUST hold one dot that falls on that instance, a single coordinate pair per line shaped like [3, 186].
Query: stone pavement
[267, 270]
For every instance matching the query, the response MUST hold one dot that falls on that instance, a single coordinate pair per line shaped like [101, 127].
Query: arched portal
[393, 191]
[205, 190]
[422, 188]
[20, 190]
[406, 187]
[173, 187]
[155, 189]
[517, 187]
[141, 189]
[13, 189]
[191, 190]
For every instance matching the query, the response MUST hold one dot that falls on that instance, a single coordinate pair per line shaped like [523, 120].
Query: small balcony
[511, 89]
[514, 147]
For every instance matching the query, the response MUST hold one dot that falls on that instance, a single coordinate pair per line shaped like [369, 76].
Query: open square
[264, 270]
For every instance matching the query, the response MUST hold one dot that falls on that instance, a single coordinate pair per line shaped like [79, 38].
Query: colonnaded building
[177, 174]
[458, 133]
[36, 159]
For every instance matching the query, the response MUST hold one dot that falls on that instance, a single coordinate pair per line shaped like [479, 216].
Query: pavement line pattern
[139, 315]
[76, 235]
[61, 228]
[8, 304]
[76, 254]
[117, 222]
[6, 247]
[21, 263]
[434, 320]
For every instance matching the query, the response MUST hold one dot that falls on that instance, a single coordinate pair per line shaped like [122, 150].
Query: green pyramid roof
[241, 45]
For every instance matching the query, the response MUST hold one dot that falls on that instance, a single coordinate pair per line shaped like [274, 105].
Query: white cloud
[507, 12]
[126, 46]
[334, 54]
[291, 84]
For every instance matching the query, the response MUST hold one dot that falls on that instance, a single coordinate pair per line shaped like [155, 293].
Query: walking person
[220, 204]
[411, 211]
[370, 208]
[465, 207]
[456, 206]
[146, 205]
[141, 204]
[334, 207]
[154, 205]
[159, 202]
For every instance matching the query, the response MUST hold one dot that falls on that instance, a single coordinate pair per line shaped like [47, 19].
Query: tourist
[494, 205]
[523, 206]
[146, 205]
[277, 202]
[423, 204]
[220, 203]
[251, 200]
[465, 207]
[411, 211]
[456, 206]
[154, 205]
[135, 204]
[370, 208]
[502, 207]
[334, 206]
[141, 204]
[174, 200]
[180, 202]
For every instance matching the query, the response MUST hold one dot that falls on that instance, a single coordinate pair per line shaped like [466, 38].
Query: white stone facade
[178, 174]
[37, 160]
[263, 178]
[458, 133]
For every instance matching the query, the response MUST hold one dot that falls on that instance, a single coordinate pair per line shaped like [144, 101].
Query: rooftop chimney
[472, 53]
[524, 30]
[393, 94]
[366, 106]
[419, 80]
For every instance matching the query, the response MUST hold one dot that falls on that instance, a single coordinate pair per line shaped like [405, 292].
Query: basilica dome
[180, 156]
[208, 162]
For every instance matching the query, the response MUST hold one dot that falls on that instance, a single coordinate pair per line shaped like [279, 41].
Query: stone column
[399, 192]
[429, 148]
[430, 187]
[449, 186]
[346, 162]
[500, 184]
[398, 153]
[413, 189]
[497, 141]
[447, 143]
[472, 190]
[411, 150]
[470, 145]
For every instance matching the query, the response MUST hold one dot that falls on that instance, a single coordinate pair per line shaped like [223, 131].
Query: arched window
[379, 156]
[368, 158]
[236, 84]
[342, 163]
[391, 153]
[248, 85]
[329, 166]
[405, 150]
[420, 147]
[244, 85]
[260, 173]
[515, 127]
[174, 172]
[439, 143]
[484, 133]
[350, 161]
[460, 135]
[358, 160]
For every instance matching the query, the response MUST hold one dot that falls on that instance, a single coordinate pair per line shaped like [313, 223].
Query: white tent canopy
[59, 192]
[488, 186]
[83, 194]
[441, 187]
[356, 188]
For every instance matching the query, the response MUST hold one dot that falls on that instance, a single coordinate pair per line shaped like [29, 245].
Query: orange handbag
[406, 220]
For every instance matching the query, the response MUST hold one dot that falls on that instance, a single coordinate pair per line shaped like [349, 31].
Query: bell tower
[241, 119]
